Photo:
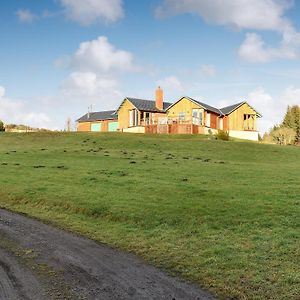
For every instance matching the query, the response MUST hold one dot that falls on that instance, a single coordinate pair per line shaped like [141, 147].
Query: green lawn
[223, 214]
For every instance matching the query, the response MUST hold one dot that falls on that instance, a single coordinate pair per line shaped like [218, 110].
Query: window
[249, 122]
[181, 116]
[200, 118]
[133, 118]
[197, 116]
[146, 118]
[207, 123]
[220, 123]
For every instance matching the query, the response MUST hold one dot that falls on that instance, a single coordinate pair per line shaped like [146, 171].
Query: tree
[2, 128]
[292, 120]
[68, 125]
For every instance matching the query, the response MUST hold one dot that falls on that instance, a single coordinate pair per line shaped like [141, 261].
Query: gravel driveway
[38, 262]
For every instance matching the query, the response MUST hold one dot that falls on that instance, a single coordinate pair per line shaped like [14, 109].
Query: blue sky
[57, 57]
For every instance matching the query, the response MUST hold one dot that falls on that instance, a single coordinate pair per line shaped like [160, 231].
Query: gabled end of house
[186, 115]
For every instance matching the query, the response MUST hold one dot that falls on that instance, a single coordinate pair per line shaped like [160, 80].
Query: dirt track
[38, 262]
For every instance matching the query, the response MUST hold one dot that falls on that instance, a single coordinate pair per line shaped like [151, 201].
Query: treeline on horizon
[19, 127]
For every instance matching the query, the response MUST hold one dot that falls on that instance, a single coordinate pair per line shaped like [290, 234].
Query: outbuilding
[101, 121]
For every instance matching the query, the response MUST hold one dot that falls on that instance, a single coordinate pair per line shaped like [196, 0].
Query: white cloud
[291, 96]
[101, 56]
[96, 65]
[171, 83]
[26, 16]
[246, 14]
[208, 70]
[87, 12]
[254, 50]
[82, 89]
[15, 111]
[88, 84]
[243, 14]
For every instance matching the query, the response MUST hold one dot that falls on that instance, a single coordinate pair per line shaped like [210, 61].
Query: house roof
[146, 105]
[229, 109]
[205, 106]
[99, 116]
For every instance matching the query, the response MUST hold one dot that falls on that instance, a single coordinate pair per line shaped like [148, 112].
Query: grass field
[223, 214]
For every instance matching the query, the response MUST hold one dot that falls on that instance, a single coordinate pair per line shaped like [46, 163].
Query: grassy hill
[223, 214]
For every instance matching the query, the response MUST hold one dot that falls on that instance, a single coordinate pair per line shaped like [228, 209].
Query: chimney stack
[159, 98]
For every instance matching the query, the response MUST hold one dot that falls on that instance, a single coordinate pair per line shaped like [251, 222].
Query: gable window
[181, 116]
[249, 122]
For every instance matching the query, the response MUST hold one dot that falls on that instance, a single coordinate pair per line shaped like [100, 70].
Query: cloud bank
[259, 15]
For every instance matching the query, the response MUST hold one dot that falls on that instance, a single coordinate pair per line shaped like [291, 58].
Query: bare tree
[69, 125]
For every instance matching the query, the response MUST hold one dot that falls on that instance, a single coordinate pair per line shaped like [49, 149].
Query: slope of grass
[223, 214]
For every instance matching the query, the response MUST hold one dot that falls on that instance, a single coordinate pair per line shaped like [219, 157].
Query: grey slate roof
[207, 107]
[99, 116]
[228, 109]
[147, 105]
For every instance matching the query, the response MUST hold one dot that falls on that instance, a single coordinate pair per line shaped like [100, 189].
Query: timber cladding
[236, 118]
[213, 120]
[185, 106]
[84, 126]
[98, 126]
[123, 114]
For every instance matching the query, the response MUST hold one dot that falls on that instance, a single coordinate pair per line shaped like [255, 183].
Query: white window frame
[207, 121]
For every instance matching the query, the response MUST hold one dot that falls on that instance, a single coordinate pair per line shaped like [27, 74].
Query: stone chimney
[159, 98]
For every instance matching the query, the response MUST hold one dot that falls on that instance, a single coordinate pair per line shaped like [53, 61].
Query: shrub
[284, 136]
[2, 128]
[223, 135]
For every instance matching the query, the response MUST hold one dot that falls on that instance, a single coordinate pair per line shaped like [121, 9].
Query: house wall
[213, 120]
[123, 114]
[84, 126]
[157, 116]
[184, 105]
[236, 118]
[136, 129]
[225, 123]
[245, 135]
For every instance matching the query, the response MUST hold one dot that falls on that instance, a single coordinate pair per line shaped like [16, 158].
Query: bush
[223, 135]
[284, 136]
[2, 128]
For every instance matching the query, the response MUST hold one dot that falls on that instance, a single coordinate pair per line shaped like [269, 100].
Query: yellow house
[190, 111]
[187, 116]
[239, 120]
[136, 115]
